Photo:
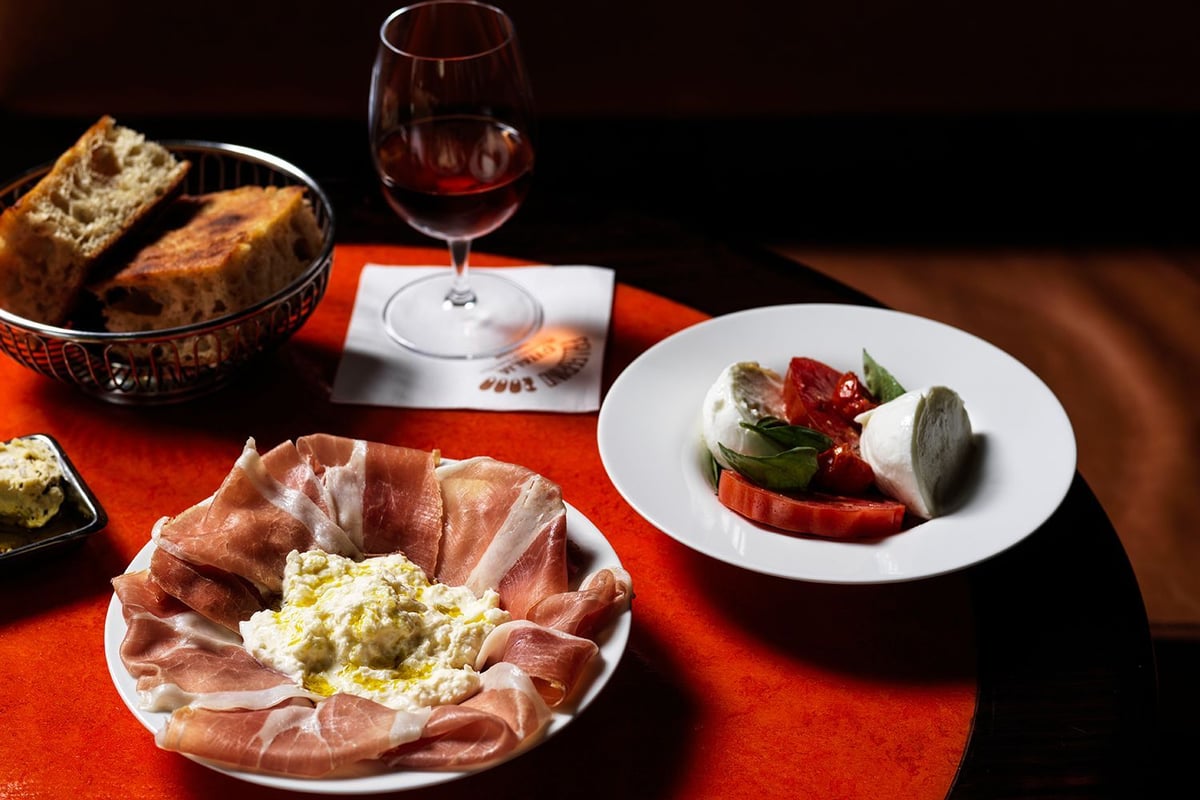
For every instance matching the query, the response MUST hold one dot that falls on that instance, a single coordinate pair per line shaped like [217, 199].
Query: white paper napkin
[559, 369]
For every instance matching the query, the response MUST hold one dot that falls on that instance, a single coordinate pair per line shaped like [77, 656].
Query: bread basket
[177, 364]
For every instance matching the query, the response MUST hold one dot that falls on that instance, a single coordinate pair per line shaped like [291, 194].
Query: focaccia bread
[217, 254]
[99, 190]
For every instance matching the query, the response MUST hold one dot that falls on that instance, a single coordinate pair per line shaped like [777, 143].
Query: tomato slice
[851, 398]
[842, 471]
[831, 516]
[808, 396]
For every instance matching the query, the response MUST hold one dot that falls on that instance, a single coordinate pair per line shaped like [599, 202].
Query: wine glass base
[502, 317]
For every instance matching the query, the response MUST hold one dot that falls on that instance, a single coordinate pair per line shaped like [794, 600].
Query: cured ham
[507, 712]
[552, 659]
[282, 516]
[584, 612]
[287, 465]
[505, 528]
[179, 657]
[293, 739]
[479, 523]
[335, 736]
[222, 597]
[385, 497]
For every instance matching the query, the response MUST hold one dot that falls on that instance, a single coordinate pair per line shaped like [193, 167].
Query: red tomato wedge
[808, 396]
[831, 516]
[850, 397]
[841, 471]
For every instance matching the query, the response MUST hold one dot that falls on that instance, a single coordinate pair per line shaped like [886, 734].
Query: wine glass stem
[460, 293]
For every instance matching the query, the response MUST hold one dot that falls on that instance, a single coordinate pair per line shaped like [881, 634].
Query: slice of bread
[100, 189]
[216, 254]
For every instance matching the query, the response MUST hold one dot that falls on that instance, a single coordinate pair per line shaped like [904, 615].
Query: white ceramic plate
[650, 440]
[596, 553]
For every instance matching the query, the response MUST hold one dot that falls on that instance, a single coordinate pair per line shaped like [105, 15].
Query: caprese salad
[822, 452]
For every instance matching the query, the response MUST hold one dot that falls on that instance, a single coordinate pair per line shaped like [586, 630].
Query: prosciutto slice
[554, 643]
[293, 739]
[222, 597]
[585, 612]
[506, 713]
[553, 660]
[343, 731]
[288, 466]
[178, 657]
[505, 528]
[385, 497]
[255, 519]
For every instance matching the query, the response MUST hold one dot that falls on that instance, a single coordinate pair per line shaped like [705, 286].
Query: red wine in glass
[456, 176]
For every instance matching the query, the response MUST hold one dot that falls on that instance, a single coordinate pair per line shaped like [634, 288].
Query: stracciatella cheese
[376, 628]
[30, 483]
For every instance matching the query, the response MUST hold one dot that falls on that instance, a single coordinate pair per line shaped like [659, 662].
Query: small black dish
[80, 516]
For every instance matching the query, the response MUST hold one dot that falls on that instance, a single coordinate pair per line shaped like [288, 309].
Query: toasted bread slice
[219, 253]
[99, 190]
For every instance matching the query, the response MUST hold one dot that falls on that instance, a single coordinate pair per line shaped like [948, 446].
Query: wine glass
[451, 125]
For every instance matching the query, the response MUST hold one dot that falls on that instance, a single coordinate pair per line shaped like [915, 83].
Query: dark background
[876, 120]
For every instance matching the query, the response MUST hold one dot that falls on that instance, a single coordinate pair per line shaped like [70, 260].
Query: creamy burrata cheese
[918, 446]
[376, 628]
[743, 392]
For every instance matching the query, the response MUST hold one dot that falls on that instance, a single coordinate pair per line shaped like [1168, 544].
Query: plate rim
[613, 643]
[1064, 464]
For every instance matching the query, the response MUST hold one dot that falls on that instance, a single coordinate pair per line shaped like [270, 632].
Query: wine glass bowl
[451, 126]
[460, 181]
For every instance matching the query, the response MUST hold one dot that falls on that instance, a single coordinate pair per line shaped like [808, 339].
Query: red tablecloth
[735, 684]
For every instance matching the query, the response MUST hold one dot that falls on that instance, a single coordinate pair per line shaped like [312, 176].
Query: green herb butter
[30, 483]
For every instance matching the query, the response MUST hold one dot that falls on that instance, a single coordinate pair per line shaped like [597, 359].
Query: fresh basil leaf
[879, 381]
[780, 432]
[714, 468]
[791, 469]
